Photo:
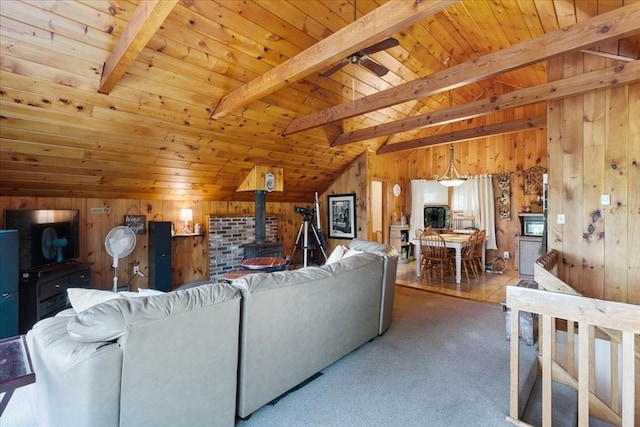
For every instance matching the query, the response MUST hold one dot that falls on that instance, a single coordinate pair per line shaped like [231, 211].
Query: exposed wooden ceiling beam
[382, 22]
[466, 134]
[618, 23]
[608, 55]
[144, 23]
[607, 77]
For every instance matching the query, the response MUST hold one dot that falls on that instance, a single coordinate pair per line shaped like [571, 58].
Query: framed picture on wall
[342, 216]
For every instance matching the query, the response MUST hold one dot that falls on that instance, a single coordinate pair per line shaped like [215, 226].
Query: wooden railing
[617, 322]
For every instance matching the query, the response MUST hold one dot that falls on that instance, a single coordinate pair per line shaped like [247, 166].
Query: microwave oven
[532, 224]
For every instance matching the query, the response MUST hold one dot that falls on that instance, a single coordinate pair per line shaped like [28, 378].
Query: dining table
[451, 240]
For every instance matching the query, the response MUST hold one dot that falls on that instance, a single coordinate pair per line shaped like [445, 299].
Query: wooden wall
[352, 180]
[190, 254]
[513, 153]
[389, 169]
[594, 149]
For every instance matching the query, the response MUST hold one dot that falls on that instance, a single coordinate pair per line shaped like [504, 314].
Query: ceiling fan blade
[374, 67]
[384, 44]
[334, 68]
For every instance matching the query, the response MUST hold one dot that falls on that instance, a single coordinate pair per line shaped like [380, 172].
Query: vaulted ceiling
[180, 99]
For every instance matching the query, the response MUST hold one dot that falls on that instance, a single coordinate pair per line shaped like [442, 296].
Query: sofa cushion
[110, 320]
[82, 299]
[295, 323]
[265, 281]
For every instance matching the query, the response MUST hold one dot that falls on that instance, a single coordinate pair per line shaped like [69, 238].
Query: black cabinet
[8, 283]
[160, 255]
[43, 290]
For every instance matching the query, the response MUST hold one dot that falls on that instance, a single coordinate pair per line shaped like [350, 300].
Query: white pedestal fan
[119, 243]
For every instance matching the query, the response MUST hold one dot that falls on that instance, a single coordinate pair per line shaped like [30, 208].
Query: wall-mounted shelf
[188, 235]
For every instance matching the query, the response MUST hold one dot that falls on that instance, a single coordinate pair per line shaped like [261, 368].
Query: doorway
[378, 214]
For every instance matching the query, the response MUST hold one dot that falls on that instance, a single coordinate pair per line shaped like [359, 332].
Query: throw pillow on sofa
[82, 298]
[337, 254]
[351, 252]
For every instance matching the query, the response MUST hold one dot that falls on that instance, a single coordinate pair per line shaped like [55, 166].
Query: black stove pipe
[261, 225]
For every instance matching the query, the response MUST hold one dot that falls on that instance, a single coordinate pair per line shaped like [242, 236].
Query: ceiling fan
[360, 57]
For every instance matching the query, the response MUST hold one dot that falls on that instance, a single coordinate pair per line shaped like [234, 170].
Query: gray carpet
[443, 362]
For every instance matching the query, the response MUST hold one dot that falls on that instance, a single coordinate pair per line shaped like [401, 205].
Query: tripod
[319, 239]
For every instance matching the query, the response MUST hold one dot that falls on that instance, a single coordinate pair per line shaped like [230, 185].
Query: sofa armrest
[390, 255]
[77, 383]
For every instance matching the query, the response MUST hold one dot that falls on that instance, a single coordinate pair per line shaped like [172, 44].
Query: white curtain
[475, 198]
[418, 188]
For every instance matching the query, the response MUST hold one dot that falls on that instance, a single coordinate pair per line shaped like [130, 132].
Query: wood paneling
[593, 150]
[152, 136]
[357, 179]
[497, 154]
[190, 261]
[150, 147]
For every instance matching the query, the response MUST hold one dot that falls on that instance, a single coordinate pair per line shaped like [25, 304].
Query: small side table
[15, 367]
[239, 273]
[266, 264]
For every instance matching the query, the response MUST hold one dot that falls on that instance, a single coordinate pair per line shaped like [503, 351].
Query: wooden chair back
[432, 245]
[479, 243]
[468, 249]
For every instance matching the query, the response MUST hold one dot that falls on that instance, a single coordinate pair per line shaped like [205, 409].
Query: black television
[45, 236]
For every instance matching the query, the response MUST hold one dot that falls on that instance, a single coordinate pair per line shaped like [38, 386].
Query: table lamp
[186, 215]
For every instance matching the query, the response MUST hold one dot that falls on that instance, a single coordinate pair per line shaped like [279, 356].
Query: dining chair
[435, 254]
[479, 249]
[468, 256]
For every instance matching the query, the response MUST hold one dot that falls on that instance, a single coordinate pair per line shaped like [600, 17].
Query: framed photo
[342, 216]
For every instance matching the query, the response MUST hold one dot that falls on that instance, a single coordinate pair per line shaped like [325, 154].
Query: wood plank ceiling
[179, 100]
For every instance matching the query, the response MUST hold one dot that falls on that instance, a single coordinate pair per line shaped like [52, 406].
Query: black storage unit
[43, 290]
[160, 255]
[8, 283]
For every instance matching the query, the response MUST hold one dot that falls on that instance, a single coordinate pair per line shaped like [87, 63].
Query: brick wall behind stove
[226, 237]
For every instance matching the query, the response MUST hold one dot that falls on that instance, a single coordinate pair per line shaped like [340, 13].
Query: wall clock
[396, 190]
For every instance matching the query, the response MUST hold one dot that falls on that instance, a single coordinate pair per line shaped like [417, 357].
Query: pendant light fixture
[451, 177]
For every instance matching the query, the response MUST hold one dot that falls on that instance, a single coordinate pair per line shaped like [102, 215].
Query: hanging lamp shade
[451, 177]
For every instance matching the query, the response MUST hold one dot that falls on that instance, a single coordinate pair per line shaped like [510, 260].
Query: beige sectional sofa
[159, 360]
[200, 356]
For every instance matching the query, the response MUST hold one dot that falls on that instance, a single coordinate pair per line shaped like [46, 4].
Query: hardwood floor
[489, 287]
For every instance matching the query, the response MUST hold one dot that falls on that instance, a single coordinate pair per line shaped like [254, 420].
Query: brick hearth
[227, 235]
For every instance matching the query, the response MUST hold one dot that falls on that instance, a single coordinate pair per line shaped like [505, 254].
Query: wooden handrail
[556, 300]
[549, 260]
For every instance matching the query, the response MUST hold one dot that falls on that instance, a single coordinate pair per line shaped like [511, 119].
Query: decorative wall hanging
[504, 195]
[342, 216]
[533, 179]
[137, 222]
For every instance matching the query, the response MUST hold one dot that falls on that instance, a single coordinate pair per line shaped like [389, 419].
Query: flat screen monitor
[45, 236]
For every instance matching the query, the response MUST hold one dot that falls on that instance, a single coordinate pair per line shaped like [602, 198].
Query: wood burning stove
[268, 249]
